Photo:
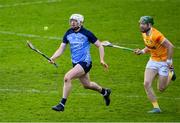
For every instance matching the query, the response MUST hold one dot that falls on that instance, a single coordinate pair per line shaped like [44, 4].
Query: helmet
[146, 20]
[78, 17]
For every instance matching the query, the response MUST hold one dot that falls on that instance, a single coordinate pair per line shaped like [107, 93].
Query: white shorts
[161, 67]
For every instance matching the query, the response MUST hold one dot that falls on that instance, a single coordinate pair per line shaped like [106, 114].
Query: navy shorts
[85, 66]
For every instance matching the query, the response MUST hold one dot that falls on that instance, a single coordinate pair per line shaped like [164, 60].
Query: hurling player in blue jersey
[79, 40]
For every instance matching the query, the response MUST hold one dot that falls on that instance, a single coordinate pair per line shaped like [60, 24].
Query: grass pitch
[30, 86]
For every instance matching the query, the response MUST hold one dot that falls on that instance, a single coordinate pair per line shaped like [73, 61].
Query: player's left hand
[104, 64]
[51, 61]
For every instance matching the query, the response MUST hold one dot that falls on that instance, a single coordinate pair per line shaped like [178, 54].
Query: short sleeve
[159, 37]
[91, 37]
[65, 40]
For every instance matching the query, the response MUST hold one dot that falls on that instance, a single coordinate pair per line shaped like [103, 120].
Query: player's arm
[101, 53]
[58, 52]
[166, 43]
[141, 51]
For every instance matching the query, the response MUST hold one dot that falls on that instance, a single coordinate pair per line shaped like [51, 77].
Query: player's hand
[138, 51]
[104, 65]
[51, 61]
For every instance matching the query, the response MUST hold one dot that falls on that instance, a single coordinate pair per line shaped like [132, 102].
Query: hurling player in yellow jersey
[160, 62]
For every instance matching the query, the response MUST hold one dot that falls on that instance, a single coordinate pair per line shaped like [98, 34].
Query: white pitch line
[30, 35]
[28, 3]
[25, 91]
[81, 94]
[58, 38]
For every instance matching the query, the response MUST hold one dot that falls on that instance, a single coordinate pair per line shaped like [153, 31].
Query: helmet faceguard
[78, 17]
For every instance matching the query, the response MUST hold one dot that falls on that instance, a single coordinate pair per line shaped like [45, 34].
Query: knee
[161, 88]
[67, 78]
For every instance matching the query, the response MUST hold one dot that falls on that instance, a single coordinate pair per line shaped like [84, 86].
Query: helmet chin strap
[145, 31]
[76, 28]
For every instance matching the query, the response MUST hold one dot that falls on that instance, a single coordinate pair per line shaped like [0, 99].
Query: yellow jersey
[153, 42]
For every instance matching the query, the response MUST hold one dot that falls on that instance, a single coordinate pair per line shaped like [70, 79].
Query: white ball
[45, 27]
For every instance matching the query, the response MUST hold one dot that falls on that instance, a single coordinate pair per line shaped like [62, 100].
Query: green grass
[29, 85]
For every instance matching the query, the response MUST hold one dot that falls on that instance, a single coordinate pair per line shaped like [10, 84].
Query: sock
[170, 74]
[63, 101]
[155, 104]
[103, 92]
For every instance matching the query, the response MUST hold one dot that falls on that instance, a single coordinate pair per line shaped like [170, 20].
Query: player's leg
[75, 72]
[149, 76]
[163, 82]
[85, 81]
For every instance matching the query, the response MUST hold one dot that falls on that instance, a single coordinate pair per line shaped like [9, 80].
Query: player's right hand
[51, 61]
[138, 51]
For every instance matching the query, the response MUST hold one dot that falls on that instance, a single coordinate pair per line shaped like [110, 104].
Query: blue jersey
[80, 44]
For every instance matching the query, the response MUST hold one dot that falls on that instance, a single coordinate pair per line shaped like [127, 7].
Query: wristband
[169, 61]
[142, 51]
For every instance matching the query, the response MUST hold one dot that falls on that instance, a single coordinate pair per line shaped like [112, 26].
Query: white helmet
[78, 17]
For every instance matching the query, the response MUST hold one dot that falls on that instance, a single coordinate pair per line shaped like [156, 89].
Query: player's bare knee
[67, 78]
[161, 88]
